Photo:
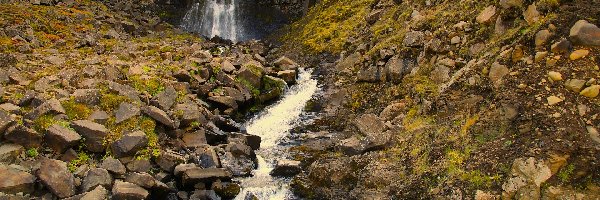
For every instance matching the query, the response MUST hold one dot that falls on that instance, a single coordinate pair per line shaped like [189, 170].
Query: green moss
[76, 111]
[255, 91]
[82, 158]
[42, 123]
[565, 174]
[32, 152]
[152, 85]
[110, 101]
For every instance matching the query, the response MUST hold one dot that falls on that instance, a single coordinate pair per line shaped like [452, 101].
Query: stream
[273, 125]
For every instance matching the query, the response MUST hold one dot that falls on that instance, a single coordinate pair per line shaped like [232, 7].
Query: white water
[272, 125]
[215, 18]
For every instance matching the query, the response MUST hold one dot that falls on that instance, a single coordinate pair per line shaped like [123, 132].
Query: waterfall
[213, 18]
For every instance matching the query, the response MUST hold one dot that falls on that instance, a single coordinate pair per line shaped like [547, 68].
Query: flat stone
[87, 96]
[208, 157]
[189, 113]
[585, 33]
[52, 106]
[99, 116]
[129, 144]
[485, 16]
[169, 159]
[93, 133]
[96, 177]
[285, 63]
[139, 166]
[194, 139]
[24, 136]
[198, 175]
[98, 193]
[128, 191]
[226, 101]
[57, 178]
[286, 168]
[60, 138]
[144, 180]
[555, 76]
[124, 90]
[9, 152]
[575, 55]
[13, 181]
[114, 166]
[368, 124]
[159, 115]
[11, 108]
[575, 85]
[181, 168]
[126, 111]
[165, 99]
[226, 66]
[591, 91]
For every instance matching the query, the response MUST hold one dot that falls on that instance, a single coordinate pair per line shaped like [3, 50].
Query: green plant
[564, 175]
[76, 111]
[32, 153]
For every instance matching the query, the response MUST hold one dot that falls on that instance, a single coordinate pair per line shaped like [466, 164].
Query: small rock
[286, 168]
[99, 116]
[129, 191]
[582, 109]
[139, 166]
[539, 56]
[60, 138]
[159, 115]
[497, 72]
[126, 111]
[531, 15]
[579, 54]
[440, 74]
[87, 96]
[9, 152]
[57, 178]
[15, 181]
[585, 33]
[486, 15]
[114, 166]
[575, 85]
[52, 107]
[555, 76]
[96, 177]
[553, 100]
[99, 193]
[413, 39]
[593, 132]
[129, 144]
[541, 37]
[455, 40]
[93, 133]
[5, 121]
[591, 91]
[561, 46]
[226, 66]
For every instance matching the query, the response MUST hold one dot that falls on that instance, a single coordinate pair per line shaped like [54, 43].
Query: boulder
[96, 177]
[126, 111]
[226, 66]
[57, 178]
[139, 166]
[369, 74]
[208, 157]
[198, 175]
[368, 124]
[60, 138]
[99, 116]
[391, 111]
[24, 136]
[413, 39]
[165, 99]
[238, 164]
[93, 133]
[289, 76]
[159, 115]
[273, 88]
[125, 90]
[189, 113]
[51, 107]
[169, 159]
[585, 33]
[204, 194]
[225, 101]
[129, 144]
[284, 63]
[194, 139]
[144, 180]
[239, 149]
[14, 181]
[128, 191]
[250, 75]
[286, 168]
[486, 15]
[87, 96]
[226, 190]
[9, 152]
[114, 166]
[98, 193]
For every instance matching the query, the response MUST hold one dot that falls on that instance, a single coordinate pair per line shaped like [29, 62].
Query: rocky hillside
[442, 99]
[106, 99]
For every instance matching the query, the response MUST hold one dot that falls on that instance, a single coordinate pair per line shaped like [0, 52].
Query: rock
[553, 100]
[369, 124]
[60, 138]
[198, 175]
[45, 83]
[539, 56]
[440, 74]
[204, 194]
[129, 144]
[87, 96]
[506, 4]
[13, 181]
[165, 99]
[374, 16]
[139, 166]
[585, 33]
[226, 66]
[100, 117]
[128, 191]
[530, 169]
[126, 111]
[497, 72]
[24, 136]
[237, 163]
[9, 152]
[370, 74]
[238, 149]
[226, 190]
[159, 115]
[114, 166]
[349, 62]
[144, 180]
[51, 107]
[99, 193]
[189, 113]
[208, 157]
[575, 85]
[169, 159]
[289, 76]
[593, 132]
[273, 88]
[226, 101]
[486, 15]
[250, 75]
[5, 121]
[93, 133]
[455, 40]
[396, 68]
[96, 177]
[124, 90]
[591, 91]
[531, 15]
[285, 63]
[194, 139]
[286, 168]
[57, 178]
[181, 168]
[413, 39]
[351, 146]
[555, 76]
[579, 54]
[542, 37]
[391, 111]
[561, 46]
[481, 195]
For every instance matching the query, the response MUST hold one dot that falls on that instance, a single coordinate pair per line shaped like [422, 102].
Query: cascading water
[213, 18]
[273, 125]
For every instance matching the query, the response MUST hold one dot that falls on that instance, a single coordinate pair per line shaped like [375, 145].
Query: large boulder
[60, 138]
[585, 33]
[14, 181]
[129, 144]
[128, 191]
[22, 135]
[199, 175]
[96, 177]
[55, 175]
[93, 133]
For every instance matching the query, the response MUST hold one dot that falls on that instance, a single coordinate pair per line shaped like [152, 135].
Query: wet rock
[57, 178]
[486, 15]
[165, 99]
[198, 175]
[226, 190]
[114, 166]
[238, 164]
[96, 177]
[413, 39]
[126, 111]
[93, 133]
[139, 166]
[591, 91]
[24, 136]
[585, 33]
[286, 168]
[169, 159]
[60, 138]
[100, 117]
[87, 96]
[128, 191]
[9, 152]
[144, 180]
[575, 85]
[52, 107]
[194, 139]
[531, 15]
[274, 88]
[238, 149]
[14, 181]
[129, 144]
[575, 55]
[284, 63]
[159, 115]
[542, 37]
[289, 76]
